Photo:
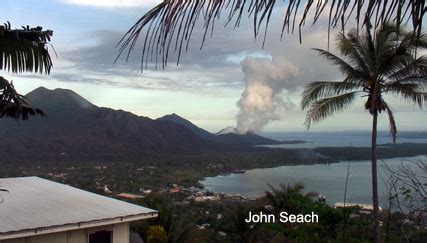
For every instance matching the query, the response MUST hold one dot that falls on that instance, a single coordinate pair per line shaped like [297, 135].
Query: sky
[215, 87]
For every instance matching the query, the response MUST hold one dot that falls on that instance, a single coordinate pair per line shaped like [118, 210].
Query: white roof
[35, 205]
[361, 205]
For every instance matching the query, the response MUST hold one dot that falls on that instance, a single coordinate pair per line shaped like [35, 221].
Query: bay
[326, 179]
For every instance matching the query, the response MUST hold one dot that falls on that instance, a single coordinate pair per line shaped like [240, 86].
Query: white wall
[120, 235]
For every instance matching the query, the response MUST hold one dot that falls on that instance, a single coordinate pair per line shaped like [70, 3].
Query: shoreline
[337, 152]
[314, 163]
[385, 151]
[189, 169]
[254, 189]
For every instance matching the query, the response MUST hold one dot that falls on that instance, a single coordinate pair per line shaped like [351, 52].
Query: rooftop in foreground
[38, 206]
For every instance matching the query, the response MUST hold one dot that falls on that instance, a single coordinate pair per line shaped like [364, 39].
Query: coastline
[188, 169]
[327, 180]
[332, 155]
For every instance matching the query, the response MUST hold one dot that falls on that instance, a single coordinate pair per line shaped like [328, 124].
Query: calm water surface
[328, 180]
[341, 139]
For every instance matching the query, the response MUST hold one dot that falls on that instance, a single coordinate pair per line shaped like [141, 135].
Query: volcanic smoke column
[262, 101]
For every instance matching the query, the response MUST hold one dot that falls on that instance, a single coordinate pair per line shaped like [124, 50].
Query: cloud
[88, 31]
[197, 73]
[214, 70]
[115, 3]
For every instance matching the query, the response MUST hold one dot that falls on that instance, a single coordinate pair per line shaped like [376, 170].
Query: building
[175, 189]
[363, 208]
[129, 196]
[41, 211]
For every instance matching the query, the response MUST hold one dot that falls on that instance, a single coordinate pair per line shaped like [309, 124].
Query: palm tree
[21, 50]
[236, 227]
[25, 50]
[14, 105]
[169, 26]
[279, 198]
[178, 230]
[373, 66]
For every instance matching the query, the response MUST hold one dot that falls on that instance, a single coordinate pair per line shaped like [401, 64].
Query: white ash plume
[262, 101]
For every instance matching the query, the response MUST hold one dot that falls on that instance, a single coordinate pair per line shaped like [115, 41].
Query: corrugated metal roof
[35, 203]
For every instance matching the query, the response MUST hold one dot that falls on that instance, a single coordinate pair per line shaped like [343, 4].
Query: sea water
[343, 138]
[326, 179]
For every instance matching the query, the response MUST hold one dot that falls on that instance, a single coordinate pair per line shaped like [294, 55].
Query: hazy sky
[207, 85]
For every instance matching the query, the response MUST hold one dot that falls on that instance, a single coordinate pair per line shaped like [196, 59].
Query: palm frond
[25, 50]
[14, 105]
[409, 68]
[321, 89]
[181, 232]
[345, 68]
[402, 52]
[296, 188]
[323, 108]
[410, 91]
[408, 41]
[170, 24]
[392, 122]
[349, 46]
[385, 45]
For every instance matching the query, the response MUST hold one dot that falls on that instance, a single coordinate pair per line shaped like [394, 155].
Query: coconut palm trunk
[377, 228]
[374, 66]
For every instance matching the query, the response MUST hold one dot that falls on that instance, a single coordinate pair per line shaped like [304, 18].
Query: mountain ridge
[58, 99]
[83, 131]
[78, 130]
[229, 137]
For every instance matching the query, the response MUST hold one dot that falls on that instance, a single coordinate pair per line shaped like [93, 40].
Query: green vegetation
[156, 234]
[374, 65]
[225, 221]
[149, 173]
[172, 224]
[384, 62]
[383, 151]
[130, 176]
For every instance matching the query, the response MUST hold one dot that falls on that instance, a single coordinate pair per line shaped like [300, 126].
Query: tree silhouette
[22, 50]
[374, 66]
[169, 26]
[235, 226]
